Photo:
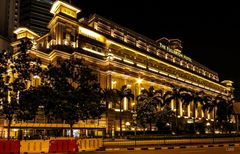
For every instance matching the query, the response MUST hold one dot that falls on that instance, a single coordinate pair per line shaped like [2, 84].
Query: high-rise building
[9, 10]
[35, 14]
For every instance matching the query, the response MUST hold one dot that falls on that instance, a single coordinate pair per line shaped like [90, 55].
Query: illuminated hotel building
[123, 57]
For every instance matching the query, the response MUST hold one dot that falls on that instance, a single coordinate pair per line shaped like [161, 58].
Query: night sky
[209, 31]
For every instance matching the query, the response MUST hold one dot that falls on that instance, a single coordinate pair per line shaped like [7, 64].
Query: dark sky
[209, 31]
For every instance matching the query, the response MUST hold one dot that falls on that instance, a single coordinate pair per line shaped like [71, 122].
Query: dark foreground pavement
[202, 150]
[192, 149]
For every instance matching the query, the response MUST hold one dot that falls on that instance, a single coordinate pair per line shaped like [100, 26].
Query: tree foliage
[195, 98]
[124, 92]
[176, 95]
[16, 70]
[148, 103]
[165, 119]
[76, 91]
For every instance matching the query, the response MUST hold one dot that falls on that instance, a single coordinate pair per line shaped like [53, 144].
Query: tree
[195, 98]
[108, 96]
[28, 104]
[29, 98]
[224, 112]
[47, 99]
[148, 103]
[124, 92]
[76, 90]
[16, 70]
[210, 105]
[177, 95]
[165, 118]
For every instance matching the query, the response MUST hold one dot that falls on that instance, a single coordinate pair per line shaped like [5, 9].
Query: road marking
[137, 149]
[230, 149]
[193, 151]
[151, 148]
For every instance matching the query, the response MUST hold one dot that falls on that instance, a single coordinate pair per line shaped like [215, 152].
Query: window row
[130, 39]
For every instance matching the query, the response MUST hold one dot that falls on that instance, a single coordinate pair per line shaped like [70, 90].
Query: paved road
[127, 143]
[212, 150]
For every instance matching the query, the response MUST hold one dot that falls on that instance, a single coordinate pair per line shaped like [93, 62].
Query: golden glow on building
[125, 104]
[179, 69]
[65, 8]
[91, 34]
[141, 65]
[122, 58]
[23, 32]
[128, 61]
[93, 51]
[139, 80]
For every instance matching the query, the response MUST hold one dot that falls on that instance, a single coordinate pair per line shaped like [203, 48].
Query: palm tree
[124, 92]
[210, 105]
[176, 94]
[148, 103]
[108, 96]
[230, 110]
[195, 98]
[224, 112]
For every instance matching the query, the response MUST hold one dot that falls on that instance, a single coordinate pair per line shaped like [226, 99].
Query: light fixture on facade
[208, 124]
[36, 77]
[139, 80]
[128, 61]
[93, 51]
[129, 86]
[141, 65]
[127, 124]
[110, 57]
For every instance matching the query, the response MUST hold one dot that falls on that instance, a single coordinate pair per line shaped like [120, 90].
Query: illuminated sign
[174, 51]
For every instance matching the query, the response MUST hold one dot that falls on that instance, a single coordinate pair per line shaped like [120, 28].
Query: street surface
[210, 150]
[132, 143]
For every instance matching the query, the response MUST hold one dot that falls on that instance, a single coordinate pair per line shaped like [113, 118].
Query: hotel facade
[123, 57]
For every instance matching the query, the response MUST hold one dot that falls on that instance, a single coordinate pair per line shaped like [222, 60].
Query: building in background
[9, 21]
[123, 57]
[35, 15]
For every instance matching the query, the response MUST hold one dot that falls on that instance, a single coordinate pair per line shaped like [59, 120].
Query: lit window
[35, 81]
[68, 38]
[128, 86]
[114, 84]
[125, 104]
